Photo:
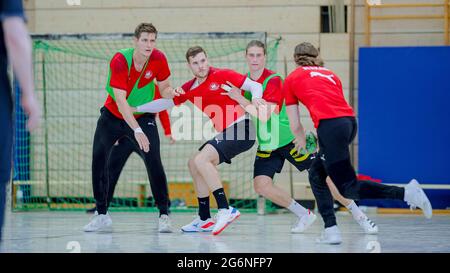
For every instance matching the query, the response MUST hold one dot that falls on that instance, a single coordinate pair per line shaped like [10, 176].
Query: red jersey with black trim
[273, 92]
[221, 109]
[320, 90]
[157, 68]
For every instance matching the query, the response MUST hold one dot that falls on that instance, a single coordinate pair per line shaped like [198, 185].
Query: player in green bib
[131, 81]
[276, 143]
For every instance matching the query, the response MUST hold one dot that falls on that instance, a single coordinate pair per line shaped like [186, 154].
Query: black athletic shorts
[234, 140]
[270, 162]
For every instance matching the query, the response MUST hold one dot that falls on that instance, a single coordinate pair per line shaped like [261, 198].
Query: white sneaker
[164, 225]
[223, 218]
[416, 197]
[199, 225]
[331, 235]
[368, 225]
[304, 222]
[99, 222]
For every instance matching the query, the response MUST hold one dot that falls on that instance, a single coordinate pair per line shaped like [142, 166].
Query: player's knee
[350, 189]
[98, 160]
[191, 164]
[261, 187]
[344, 177]
[315, 176]
[201, 159]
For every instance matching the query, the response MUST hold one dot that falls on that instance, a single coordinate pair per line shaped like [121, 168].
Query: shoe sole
[193, 231]
[371, 232]
[328, 242]
[227, 224]
[427, 209]
[165, 231]
[105, 229]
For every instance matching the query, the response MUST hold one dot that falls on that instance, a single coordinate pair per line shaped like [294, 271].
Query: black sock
[203, 208]
[221, 199]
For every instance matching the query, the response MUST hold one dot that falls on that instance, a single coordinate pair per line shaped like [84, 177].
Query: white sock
[297, 209]
[355, 211]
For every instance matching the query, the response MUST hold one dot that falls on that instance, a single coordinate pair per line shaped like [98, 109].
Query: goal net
[53, 166]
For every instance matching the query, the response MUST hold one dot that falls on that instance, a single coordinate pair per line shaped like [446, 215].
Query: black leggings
[117, 159]
[333, 160]
[107, 163]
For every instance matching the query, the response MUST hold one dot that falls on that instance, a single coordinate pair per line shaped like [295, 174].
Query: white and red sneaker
[304, 222]
[199, 225]
[223, 218]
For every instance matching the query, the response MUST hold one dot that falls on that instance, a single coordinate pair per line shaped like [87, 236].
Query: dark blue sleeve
[11, 8]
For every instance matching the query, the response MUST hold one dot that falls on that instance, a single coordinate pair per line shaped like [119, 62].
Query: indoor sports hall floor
[137, 232]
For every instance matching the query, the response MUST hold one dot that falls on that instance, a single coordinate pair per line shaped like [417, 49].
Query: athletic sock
[297, 209]
[203, 208]
[221, 199]
[355, 211]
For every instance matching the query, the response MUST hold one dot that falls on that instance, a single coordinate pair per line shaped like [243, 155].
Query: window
[333, 19]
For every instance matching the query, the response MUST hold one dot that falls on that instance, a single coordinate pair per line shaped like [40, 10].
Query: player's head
[305, 54]
[145, 38]
[197, 61]
[255, 54]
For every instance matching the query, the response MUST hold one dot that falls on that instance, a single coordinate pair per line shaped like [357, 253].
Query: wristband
[138, 130]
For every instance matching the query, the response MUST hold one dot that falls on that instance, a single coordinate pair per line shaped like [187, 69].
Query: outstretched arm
[262, 112]
[259, 107]
[154, 106]
[167, 91]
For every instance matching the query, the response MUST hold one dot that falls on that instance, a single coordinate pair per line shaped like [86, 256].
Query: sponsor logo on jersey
[148, 74]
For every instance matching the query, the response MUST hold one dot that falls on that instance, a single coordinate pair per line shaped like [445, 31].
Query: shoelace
[367, 220]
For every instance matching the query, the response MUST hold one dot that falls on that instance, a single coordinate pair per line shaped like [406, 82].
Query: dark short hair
[145, 27]
[193, 51]
[257, 44]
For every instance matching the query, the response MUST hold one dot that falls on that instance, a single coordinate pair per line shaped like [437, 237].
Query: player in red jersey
[236, 132]
[275, 145]
[130, 83]
[320, 90]
[122, 150]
